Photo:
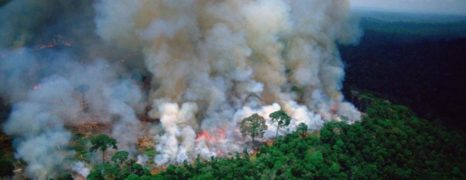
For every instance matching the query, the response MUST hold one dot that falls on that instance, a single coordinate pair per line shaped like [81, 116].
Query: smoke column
[196, 68]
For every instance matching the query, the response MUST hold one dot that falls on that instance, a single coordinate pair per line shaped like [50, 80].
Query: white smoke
[72, 96]
[217, 54]
[211, 64]
[80, 168]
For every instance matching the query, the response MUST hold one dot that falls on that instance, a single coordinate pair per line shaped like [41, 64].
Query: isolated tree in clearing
[254, 126]
[281, 118]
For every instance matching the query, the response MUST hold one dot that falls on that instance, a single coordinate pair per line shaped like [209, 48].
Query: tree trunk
[103, 157]
[276, 132]
[253, 140]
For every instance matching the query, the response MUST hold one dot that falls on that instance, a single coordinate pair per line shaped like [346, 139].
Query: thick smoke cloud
[216, 54]
[210, 64]
[69, 95]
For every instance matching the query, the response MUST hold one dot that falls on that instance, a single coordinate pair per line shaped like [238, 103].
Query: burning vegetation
[170, 81]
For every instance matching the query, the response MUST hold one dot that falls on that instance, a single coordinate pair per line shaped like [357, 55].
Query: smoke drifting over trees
[194, 68]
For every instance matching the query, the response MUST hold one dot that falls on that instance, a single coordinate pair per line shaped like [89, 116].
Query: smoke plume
[179, 74]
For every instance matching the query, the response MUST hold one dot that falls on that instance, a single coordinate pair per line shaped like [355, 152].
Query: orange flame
[204, 135]
[217, 136]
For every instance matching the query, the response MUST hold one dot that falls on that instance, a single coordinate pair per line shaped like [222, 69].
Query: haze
[447, 7]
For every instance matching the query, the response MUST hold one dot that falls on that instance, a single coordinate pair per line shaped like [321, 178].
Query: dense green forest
[414, 60]
[390, 142]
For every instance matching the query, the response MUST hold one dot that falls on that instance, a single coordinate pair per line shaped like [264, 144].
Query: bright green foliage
[281, 118]
[150, 153]
[120, 157]
[389, 143]
[80, 145]
[104, 171]
[254, 126]
[121, 167]
[102, 142]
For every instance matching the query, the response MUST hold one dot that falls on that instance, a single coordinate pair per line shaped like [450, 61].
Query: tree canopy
[281, 118]
[254, 126]
[102, 142]
[390, 142]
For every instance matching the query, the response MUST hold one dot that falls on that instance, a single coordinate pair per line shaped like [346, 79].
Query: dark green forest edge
[390, 142]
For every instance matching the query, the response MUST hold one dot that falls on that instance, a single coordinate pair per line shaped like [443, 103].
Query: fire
[213, 139]
[204, 135]
[216, 137]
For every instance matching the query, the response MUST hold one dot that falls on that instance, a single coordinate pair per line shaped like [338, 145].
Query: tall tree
[254, 126]
[281, 118]
[102, 142]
